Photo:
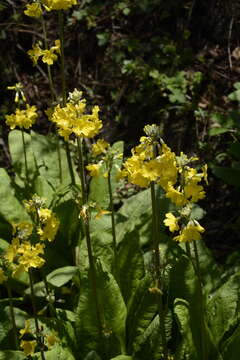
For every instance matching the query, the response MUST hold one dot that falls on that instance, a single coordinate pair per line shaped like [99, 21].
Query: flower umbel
[22, 118]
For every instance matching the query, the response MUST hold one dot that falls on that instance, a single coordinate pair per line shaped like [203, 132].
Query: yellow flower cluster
[48, 55]
[72, 119]
[22, 255]
[190, 232]
[58, 4]
[24, 118]
[49, 225]
[171, 172]
[33, 10]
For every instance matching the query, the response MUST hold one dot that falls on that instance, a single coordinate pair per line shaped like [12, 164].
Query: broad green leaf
[92, 355]
[223, 308]
[10, 208]
[113, 311]
[187, 346]
[62, 275]
[17, 155]
[131, 264]
[141, 311]
[3, 245]
[12, 355]
[57, 352]
[229, 175]
[122, 357]
[231, 347]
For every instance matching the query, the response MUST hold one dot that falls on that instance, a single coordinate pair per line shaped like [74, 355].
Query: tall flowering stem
[52, 90]
[64, 94]
[201, 301]
[9, 291]
[116, 269]
[92, 267]
[156, 253]
[38, 333]
[25, 156]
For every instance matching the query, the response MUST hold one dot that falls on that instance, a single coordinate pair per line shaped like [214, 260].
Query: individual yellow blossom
[49, 224]
[175, 196]
[33, 10]
[73, 119]
[57, 46]
[30, 255]
[48, 56]
[204, 173]
[28, 346]
[35, 53]
[193, 191]
[172, 222]
[100, 147]
[58, 4]
[12, 250]
[190, 232]
[94, 169]
[26, 329]
[22, 118]
[18, 88]
[3, 277]
[101, 212]
[51, 340]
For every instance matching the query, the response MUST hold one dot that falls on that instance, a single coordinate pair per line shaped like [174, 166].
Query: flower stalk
[9, 291]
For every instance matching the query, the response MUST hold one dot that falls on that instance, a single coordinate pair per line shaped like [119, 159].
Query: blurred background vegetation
[175, 63]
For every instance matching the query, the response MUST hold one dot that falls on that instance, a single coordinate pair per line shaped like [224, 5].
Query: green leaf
[229, 175]
[92, 355]
[13, 355]
[122, 357]
[141, 311]
[131, 265]
[113, 311]
[10, 208]
[62, 275]
[231, 347]
[218, 130]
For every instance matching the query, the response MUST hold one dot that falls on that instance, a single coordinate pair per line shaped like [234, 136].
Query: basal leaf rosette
[72, 119]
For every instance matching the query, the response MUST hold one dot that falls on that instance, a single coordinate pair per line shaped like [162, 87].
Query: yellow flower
[94, 169]
[172, 222]
[28, 347]
[100, 147]
[18, 88]
[51, 340]
[48, 56]
[12, 250]
[72, 119]
[33, 10]
[35, 53]
[3, 277]
[58, 4]
[175, 196]
[49, 224]
[204, 173]
[22, 118]
[190, 232]
[101, 212]
[26, 329]
[193, 191]
[30, 255]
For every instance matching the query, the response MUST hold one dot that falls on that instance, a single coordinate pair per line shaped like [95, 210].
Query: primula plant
[86, 277]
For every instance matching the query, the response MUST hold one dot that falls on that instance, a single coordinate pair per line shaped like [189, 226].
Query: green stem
[9, 291]
[116, 269]
[63, 79]
[52, 90]
[201, 301]
[38, 332]
[60, 163]
[64, 93]
[156, 252]
[92, 268]
[25, 156]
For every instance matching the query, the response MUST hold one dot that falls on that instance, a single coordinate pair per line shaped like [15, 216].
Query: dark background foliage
[173, 63]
